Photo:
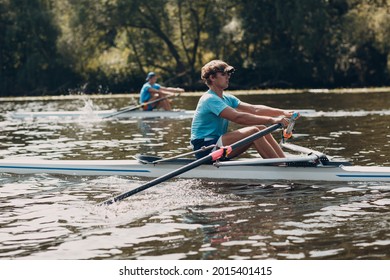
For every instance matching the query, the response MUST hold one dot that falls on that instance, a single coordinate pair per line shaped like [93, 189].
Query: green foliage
[290, 42]
[29, 59]
[50, 46]
[364, 58]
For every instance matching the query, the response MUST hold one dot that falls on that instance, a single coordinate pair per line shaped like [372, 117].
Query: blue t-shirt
[206, 122]
[145, 95]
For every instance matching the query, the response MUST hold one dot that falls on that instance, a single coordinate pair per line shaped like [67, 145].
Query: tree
[168, 36]
[29, 58]
[364, 60]
[290, 42]
[48, 45]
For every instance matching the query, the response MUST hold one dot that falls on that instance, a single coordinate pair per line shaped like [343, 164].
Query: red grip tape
[221, 152]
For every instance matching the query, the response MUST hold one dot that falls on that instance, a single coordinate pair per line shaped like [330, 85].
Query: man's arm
[246, 118]
[262, 110]
[171, 90]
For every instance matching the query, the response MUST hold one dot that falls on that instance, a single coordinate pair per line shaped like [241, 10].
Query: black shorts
[199, 143]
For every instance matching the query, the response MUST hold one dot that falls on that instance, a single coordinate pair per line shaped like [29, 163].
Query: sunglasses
[224, 72]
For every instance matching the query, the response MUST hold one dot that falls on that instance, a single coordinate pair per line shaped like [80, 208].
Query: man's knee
[261, 127]
[257, 128]
[252, 130]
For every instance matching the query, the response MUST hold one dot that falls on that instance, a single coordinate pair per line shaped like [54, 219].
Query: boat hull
[248, 173]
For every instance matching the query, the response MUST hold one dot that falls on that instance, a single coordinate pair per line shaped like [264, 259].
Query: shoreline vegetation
[48, 46]
[199, 93]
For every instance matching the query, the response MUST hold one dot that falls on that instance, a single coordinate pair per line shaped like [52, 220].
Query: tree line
[51, 47]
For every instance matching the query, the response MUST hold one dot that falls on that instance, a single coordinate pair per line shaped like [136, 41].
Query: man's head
[213, 67]
[150, 75]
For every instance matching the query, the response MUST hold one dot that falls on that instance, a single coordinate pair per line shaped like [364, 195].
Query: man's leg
[165, 104]
[266, 146]
[271, 140]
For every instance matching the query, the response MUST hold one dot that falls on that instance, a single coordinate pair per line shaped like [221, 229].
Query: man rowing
[152, 91]
[216, 109]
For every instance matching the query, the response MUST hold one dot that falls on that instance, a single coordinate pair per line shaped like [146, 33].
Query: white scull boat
[312, 167]
[104, 114]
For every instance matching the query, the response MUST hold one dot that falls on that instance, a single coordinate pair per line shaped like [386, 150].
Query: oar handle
[287, 133]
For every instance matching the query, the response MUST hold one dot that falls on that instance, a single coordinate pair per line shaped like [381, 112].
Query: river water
[57, 217]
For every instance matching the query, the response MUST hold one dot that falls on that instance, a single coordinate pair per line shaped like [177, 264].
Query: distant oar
[211, 157]
[129, 109]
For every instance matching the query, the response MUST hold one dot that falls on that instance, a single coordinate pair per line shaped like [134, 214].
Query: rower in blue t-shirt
[215, 109]
[207, 127]
[151, 91]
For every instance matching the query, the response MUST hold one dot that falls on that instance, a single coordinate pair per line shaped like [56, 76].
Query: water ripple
[57, 217]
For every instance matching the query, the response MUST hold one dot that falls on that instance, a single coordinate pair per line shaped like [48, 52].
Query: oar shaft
[159, 180]
[211, 157]
[129, 109]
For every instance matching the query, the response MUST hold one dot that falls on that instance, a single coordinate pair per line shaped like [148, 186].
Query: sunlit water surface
[57, 217]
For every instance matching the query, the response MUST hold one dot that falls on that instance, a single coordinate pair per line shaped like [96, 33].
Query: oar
[211, 157]
[128, 109]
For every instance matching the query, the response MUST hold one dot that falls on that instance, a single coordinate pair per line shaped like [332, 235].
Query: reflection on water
[56, 217]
